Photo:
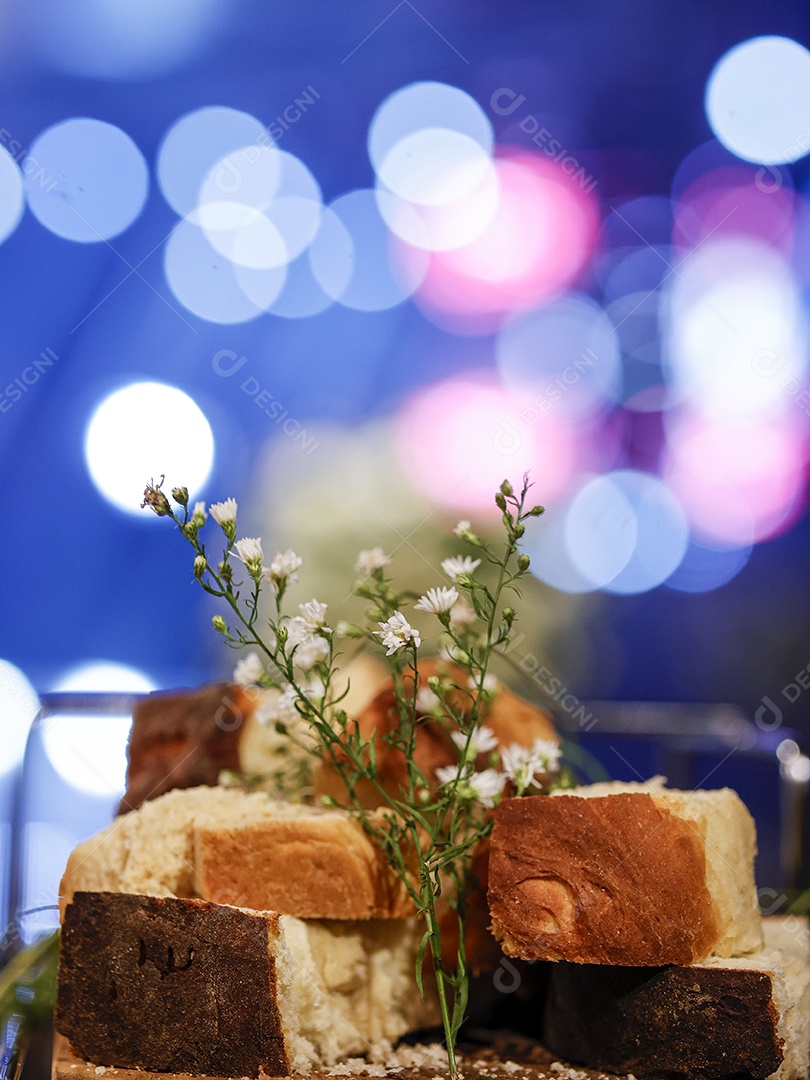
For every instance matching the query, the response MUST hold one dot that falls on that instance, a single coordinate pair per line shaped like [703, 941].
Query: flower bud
[507, 489]
[509, 614]
[519, 530]
[219, 624]
[180, 495]
[523, 563]
[225, 572]
[536, 511]
[154, 498]
[500, 501]
[200, 565]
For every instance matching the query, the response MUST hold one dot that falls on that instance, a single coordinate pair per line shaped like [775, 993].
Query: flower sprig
[432, 821]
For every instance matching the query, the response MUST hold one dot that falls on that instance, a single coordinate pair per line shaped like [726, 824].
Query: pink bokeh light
[458, 439]
[739, 481]
[540, 236]
[735, 200]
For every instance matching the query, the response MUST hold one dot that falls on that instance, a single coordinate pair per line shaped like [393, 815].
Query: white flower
[484, 786]
[482, 741]
[283, 567]
[198, 513]
[396, 632]
[371, 560]
[223, 513]
[487, 786]
[490, 683]
[249, 550]
[276, 707]
[314, 615]
[522, 764]
[437, 601]
[248, 670]
[447, 774]
[462, 527]
[426, 700]
[459, 564]
[310, 648]
[462, 615]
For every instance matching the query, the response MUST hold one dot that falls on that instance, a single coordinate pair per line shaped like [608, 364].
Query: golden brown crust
[612, 880]
[170, 985]
[184, 739]
[512, 719]
[319, 867]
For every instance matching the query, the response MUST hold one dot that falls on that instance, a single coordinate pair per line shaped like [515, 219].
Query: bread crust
[663, 1023]
[320, 867]
[613, 880]
[170, 985]
[184, 739]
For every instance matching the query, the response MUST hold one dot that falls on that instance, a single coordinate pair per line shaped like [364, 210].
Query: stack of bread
[212, 931]
[643, 900]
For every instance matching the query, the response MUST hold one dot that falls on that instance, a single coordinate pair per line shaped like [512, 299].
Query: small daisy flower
[523, 764]
[396, 632]
[462, 527]
[310, 648]
[482, 741]
[487, 786]
[249, 551]
[248, 670]
[448, 774]
[371, 560]
[490, 683]
[426, 700]
[314, 614]
[223, 513]
[198, 514]
[437, 601]
[459, 564]
[284, 567]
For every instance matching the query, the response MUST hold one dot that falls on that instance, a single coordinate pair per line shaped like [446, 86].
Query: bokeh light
[210, 285]
[355, 259]
[18, 707]
[143, 430]
[739, 480]
[91, 180]
[457, 439]
[197, 142]
[111, 39]
[566, 353]
[535, 244]
[706, 567]
[104, 676]
[424, 106]
[12, 194]
[735, 329]
[88, 752]
[758, 100]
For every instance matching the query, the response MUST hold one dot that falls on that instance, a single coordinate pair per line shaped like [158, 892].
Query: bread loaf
[511, 718]
[727, 1018]
[186, 986]
[625, 874]
[316, 865]
[249, 850]
[184, 739]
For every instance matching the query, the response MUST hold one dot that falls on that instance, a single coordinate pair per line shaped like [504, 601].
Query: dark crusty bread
[184, 739]
[624, 874]
[170, 985]
[734, 1018]
[183, 985]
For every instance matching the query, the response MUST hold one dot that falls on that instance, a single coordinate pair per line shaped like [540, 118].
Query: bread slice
[315, 865]
[186, 986]
[249, 850]
[728, 1017]
[625, 874]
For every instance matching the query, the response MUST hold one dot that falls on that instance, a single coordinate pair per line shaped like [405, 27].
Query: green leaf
[420, 958]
